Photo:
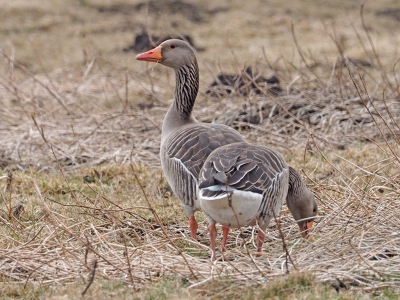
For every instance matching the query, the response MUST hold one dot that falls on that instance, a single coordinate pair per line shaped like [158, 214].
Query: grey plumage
[301, 202]
[185, 143]
[184, 153]
[247, 168]
[233, 176]
[296, 184]
[258, 174]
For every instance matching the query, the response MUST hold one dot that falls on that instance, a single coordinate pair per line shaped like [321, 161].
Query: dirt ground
[81, 185]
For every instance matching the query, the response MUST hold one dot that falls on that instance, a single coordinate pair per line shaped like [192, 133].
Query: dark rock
[390, 12]
[240, 119]
[245, 83]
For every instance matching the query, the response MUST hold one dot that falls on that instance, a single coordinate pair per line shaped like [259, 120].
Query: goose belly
[230, 207]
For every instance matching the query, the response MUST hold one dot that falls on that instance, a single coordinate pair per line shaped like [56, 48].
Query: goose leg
[193, 226]
[225, 232]
[260, 240]
[213, 236]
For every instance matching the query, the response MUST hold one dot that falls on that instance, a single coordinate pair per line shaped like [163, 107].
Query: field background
[84, 207]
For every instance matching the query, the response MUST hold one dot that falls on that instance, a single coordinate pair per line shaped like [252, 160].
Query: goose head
[304, 208]
[172, 53]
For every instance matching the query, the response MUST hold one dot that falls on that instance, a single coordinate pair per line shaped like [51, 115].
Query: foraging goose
[241, 184]
[185, 143]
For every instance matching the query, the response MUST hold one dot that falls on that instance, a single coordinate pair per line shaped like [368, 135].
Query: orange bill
[307, 229]
[153, 55]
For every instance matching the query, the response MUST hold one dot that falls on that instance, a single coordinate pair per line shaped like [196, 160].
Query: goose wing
[186, 151]
[246, 167]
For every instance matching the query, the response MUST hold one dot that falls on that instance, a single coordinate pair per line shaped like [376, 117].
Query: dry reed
[69, 120]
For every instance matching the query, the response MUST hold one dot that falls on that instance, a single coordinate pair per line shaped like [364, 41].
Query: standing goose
[243, 184]
[186, 143]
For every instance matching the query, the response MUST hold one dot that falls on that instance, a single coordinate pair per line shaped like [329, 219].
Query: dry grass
[49, 34]
[83, 201]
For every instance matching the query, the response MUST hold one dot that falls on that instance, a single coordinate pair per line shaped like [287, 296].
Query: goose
[185, 142]
[242, 184]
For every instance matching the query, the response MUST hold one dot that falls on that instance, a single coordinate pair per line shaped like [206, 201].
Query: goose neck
[180, 112]
[187, 86]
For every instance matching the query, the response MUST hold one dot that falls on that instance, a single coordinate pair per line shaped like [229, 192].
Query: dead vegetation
[84, 204]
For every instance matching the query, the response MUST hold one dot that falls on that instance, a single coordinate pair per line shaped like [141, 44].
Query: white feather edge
[196, 205]
[186, 170]
[223, 188]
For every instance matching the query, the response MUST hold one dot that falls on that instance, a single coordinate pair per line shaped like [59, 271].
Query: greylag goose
[243, 184]
[185, 142]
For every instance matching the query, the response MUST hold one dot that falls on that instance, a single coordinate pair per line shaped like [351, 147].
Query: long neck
[296, 198]
[295, 190]
[180, 112]
[296, 184]
[187, 86]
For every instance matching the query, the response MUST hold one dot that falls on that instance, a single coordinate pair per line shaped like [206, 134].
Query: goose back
[250, 170]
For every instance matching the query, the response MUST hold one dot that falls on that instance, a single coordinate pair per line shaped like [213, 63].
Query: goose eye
[172, 46]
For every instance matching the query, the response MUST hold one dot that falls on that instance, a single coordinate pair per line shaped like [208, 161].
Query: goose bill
[153, 55]
[307, 229]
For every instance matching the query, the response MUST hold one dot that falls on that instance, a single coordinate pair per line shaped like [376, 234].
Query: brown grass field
[84, 209]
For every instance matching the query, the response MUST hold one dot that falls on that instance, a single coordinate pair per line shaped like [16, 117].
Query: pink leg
[193, 226]
[260, 242]
[213, 236]
[225, 232]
